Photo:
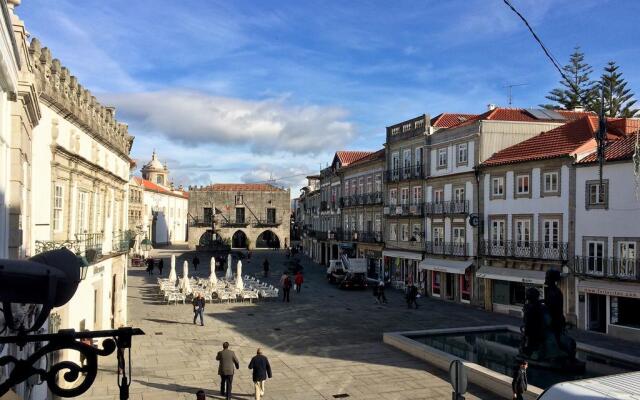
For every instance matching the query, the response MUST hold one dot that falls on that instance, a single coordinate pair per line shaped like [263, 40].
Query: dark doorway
[267, 240]
[239, 240]
[597, 312]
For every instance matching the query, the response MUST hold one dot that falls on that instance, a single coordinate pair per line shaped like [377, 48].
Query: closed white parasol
[172, 273]
[239, 282]
[185, 285]
[229, 275]
[212, 265]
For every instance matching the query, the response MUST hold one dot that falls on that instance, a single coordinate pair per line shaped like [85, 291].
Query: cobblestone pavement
[325, 342]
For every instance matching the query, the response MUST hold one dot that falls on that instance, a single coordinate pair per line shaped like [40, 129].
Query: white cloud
[284, 176]
[264, 126]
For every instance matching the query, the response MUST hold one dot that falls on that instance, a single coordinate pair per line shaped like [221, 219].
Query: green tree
[618, 99]
[577, 86]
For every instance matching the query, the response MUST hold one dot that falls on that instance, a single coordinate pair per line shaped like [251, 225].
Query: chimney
[491, 106]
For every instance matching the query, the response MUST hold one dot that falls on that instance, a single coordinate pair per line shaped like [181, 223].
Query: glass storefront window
[435, 283]
[624, 311]
[511, 293]
[465, 286]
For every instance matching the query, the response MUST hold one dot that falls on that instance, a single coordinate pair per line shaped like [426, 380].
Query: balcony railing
[200, 222]
[404, 210]
[415, 171]
[267, 222]
[613, 268]
[361, 199]
[87, 246]
[448, 207]
[122, 241]
[558, 251]
[448, 249]
[405, 244]
[370, 237]
[235, 223]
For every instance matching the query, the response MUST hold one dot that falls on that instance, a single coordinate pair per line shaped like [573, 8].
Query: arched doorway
[267, 240]
[206, 240]
[239, 240]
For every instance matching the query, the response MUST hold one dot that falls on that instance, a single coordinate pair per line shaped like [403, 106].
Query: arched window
[160, 180]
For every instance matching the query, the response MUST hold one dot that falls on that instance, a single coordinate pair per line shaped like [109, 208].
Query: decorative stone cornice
[62, 90]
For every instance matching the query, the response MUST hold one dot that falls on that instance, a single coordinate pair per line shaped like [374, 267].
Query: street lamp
[41, 283]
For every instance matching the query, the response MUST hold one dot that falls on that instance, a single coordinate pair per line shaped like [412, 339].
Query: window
[239, 199]
[497, 186]
[626, 264]
[595, 257]
[465, 286]
[442, 158]
[58, 197]
[369, 184]
[419, 124]
[404, 198]
[346, 187]
[417, 195]
[522, 184]
[435, 283]
[207, 213]
[597, 194]
[395, 165]
[406, 127]
[458, 194]
[463, 153]
[417, 232]
[240, 215]
[378, 183]
[551, 233]
[360, 185]
[393, 232]
[438, 196]
[395, 131]
[458, 235]
[160, 180]
[550, 182]
[83, 212]
[99, 216]
[404, 232]
[418, 161]
[523, 232]
[393, 196]
[497, 232]
[406, 163]
[437, 236]
[271, 215]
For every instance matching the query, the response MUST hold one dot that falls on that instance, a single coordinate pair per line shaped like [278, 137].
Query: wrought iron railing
[448, 207]
[558, 251]
[448, 248]
[200, 222]
[370, 237]
[86, 245]
[611, 267]
[268, 222]
[235, 223]
[405, 210]
[415, 171]
[122, 241]
[415, 245]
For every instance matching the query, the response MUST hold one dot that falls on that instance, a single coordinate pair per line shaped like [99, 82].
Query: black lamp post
[50, 280]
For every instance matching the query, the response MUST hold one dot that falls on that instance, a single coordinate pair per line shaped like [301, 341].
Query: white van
[622, 386]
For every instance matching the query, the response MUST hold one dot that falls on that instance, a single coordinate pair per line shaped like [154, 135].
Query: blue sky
[230, 91]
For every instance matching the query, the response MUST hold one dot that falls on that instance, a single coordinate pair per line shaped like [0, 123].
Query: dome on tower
[154, 164]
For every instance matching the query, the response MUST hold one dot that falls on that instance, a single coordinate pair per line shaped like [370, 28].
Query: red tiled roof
[243, 187]
[521, 115]
[447, 120]
[347, 157]
[374, 156]
[573, 115]
[148, 185]
[561, 141]
[622, 149]
[557, 142]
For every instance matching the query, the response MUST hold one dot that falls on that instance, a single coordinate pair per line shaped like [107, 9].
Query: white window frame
[595, 261]
[497, 186]
[83, 212]
[437, 235]
[458, 235]
[378, 183]
[442, 157]
[438, 196]
[406, 127]
[404, 196]
[627, 253]
[550, 185]
[393, 197]
[597, 195]
[416, 232]
[404, 232]
[520, 187]
[459, 194]
[393, 231]
[406, 163]
[522, 232]
[498, 232]
[463, 153]
[58, 204]
[416, 193]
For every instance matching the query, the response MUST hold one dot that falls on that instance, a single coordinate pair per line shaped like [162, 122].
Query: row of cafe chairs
[223, 291]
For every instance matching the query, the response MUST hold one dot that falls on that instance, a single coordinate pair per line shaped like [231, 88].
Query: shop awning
[512, 275]
[618, 289]
[442, 265]
[402, 254]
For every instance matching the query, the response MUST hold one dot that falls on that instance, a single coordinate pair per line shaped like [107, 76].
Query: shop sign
[611, 292]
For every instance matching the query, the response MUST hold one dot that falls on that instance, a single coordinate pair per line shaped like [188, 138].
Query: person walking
[412, 295]
[298, 280]
[150, 266]
[265, 266]
[381, 297]
[195, 262]
[160, 266]
[200, 395]
[375, 294]
[261, 371]
[227, 360]
[198, 308]
[286, 287]
[519, 383]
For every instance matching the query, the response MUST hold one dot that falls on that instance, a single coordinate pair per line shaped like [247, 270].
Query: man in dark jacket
[198, 308]
[261, 371]
[265, 266]
[412, 295]
[227, 360]
[196, 261]
[519, 383]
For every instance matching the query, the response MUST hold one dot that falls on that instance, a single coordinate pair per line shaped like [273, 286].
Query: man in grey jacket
[226, 369]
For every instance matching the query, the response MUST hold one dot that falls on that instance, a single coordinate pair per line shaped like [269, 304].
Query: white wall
[172, 221]
[621, 219]
[452, 167]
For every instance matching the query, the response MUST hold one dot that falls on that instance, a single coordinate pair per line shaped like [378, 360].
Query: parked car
[354, 281]
[621, 386]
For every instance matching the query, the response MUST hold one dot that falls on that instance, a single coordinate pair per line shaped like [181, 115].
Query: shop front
[447, 279]
[348, 249]
[373, 254]
[401, 267]
[609, 307]
[505, 288]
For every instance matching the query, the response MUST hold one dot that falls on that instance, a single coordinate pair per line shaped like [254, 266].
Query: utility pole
[511, 86]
